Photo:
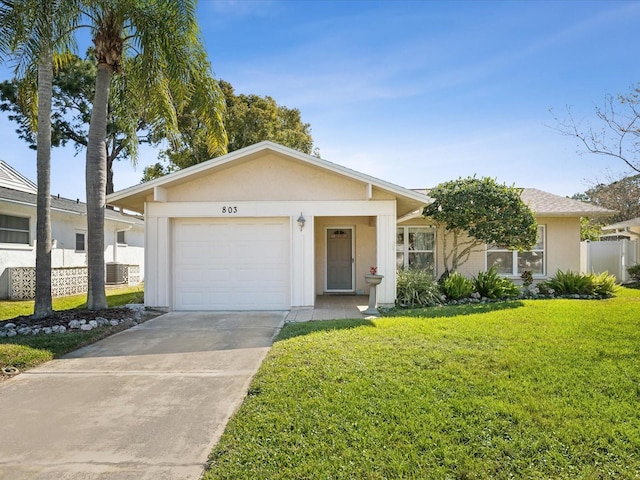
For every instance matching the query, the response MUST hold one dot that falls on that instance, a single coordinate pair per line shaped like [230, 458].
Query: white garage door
[231, 264]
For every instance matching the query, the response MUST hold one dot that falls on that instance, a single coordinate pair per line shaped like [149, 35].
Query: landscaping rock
[47, 330]
[23, 331]
[9, 325]
[86, 327]
[74, 324]
[93, 323]
[11, 333]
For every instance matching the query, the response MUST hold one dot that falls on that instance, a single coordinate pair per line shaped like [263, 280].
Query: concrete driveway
[147, 403]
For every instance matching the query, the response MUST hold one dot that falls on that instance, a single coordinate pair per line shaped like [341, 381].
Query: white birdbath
[373, 281]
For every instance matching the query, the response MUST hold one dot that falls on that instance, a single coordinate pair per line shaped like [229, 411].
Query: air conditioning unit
[116, 273]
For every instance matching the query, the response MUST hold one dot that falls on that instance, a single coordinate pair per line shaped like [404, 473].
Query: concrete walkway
[147, 404]
[330, 307]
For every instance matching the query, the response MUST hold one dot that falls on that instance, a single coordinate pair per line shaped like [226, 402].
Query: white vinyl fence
[609, 256]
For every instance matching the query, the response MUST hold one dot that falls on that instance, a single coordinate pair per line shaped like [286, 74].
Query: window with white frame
[512, 262]
[416, 248]
[80, 242]
[14, 229]
[121, 237]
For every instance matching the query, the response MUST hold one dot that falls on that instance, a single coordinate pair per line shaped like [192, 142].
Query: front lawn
[526, 389]
[115, 297]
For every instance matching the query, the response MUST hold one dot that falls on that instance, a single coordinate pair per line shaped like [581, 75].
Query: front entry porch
[329, 307]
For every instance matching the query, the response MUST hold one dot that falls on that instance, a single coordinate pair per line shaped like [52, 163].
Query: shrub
[416, 288]
[604, 284]
[571, 283]
[456, 286]
[634, 272]
[490, 285]
[527, 278]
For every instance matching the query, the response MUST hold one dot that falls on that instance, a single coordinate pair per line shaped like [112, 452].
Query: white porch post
[386, 259]
[302, 262]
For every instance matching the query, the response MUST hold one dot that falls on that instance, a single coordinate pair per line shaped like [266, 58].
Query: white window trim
[514, 273]
[406, 251]
[75, 243]
[18, 246]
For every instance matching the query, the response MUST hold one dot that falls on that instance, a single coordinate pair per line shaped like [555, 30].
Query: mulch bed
[65, 316]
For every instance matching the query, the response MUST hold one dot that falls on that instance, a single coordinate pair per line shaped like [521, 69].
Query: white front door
[231, 264]
[340, 260]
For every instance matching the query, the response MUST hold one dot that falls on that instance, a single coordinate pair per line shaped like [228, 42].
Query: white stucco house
[268, 227]
[124, 241]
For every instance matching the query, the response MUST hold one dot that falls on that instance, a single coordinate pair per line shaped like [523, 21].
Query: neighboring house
[267, 227]
[629, 229]
[124, 240]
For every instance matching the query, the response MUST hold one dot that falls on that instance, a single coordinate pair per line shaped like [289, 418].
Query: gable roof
[133, 198]
[549, 205]
[11, 178]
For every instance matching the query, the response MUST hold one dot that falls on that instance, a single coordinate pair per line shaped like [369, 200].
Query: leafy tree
[248, 119]
[157, 43]
[34, 33]
[622, 195]
[479, 211]
[589, 229]
[73, 92]
[618, 132]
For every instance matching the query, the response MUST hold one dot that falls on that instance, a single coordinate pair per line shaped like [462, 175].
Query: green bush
[634, 272]
[571, 283]
[490, 285]
[417, 288]
[457, 286]
[604, 284]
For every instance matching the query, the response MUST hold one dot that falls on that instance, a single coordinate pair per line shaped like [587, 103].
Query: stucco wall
[269, 177]
[562, 246]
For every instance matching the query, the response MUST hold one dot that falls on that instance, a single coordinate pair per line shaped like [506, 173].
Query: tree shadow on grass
[454, 310]
[292, 330]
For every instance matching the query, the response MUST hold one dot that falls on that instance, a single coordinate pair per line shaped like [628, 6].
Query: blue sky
[416, 92]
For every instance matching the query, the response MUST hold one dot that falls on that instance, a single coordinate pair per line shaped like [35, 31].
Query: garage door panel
[231, 264]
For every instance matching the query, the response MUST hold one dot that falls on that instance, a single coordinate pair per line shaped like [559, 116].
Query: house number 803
[229, 209]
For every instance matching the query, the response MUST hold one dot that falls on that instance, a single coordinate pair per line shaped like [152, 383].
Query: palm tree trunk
[43, 304]
[96, 179]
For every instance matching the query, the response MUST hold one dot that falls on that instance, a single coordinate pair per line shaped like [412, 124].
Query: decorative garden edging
[13, 328]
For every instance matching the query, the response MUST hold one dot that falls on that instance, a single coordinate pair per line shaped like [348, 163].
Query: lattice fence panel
[64, 281]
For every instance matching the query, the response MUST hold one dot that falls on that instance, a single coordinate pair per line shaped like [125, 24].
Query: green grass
[530, 389]
[115, 297]
[25, 352]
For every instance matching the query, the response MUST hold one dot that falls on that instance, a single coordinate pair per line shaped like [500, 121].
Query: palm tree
[157, 42]
[32, 31]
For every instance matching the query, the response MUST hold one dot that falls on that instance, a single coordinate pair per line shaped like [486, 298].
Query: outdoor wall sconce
[301, 221]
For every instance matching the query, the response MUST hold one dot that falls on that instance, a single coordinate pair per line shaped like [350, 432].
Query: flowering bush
[373, 270]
